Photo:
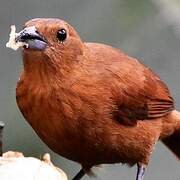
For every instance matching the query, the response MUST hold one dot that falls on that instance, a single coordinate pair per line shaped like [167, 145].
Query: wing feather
[141, 95]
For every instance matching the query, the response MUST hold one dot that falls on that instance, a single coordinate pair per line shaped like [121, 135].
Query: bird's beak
[32, 38]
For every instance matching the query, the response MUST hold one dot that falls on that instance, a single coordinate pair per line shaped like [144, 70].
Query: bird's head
[51, 41]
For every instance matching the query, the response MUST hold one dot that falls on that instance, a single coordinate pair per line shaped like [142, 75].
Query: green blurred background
[146, 29]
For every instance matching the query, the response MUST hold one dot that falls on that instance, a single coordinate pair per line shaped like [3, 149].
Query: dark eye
[61, 34]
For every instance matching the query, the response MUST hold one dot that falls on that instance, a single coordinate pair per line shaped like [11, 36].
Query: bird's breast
[61, 119]
[79, 127]
[43, 111]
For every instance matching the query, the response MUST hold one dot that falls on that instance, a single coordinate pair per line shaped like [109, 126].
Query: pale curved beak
[31, 36]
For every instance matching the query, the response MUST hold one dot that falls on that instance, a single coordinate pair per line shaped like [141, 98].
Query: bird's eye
[61, 34]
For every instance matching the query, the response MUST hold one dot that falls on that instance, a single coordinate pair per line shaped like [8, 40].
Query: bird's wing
[139, 93]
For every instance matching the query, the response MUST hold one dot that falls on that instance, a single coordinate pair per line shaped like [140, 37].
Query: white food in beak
[12, 42]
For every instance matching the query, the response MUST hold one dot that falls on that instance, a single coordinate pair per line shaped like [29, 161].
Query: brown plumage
[90, 102]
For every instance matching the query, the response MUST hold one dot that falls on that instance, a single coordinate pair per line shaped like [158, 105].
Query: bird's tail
[173, 141]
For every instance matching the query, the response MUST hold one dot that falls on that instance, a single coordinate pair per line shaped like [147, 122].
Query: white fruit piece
[12, 40]
[14, 166]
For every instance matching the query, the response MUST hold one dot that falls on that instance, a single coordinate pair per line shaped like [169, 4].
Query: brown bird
[90, 102]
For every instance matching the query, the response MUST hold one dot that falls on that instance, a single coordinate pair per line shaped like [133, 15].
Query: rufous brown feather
[92, 103]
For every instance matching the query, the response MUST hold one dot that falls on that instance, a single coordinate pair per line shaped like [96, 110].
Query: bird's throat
[37, 66]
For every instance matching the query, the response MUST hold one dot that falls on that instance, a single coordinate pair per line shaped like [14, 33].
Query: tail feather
[173, 141]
